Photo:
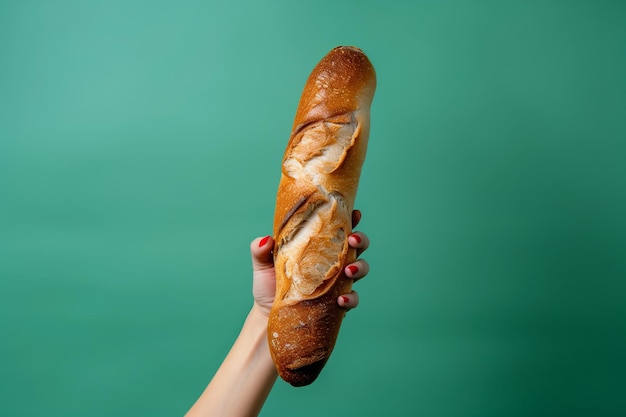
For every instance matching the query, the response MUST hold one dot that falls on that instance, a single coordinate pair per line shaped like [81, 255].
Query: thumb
[261, 251]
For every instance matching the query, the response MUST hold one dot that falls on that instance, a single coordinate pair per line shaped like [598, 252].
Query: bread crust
[320, 174]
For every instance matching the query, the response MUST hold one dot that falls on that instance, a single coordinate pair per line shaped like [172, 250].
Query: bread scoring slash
[312, 221]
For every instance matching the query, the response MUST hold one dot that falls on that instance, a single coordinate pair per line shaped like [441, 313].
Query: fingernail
[353, 269]
[345, 299]
[356, 237]
[263, 241]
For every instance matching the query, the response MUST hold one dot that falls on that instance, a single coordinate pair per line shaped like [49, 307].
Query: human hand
[264, 276]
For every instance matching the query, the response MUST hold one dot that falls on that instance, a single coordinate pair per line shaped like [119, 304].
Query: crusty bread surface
[315, 199]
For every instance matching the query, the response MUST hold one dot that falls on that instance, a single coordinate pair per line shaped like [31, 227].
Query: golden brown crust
[302, 335]
[341, 82]
[312, 221]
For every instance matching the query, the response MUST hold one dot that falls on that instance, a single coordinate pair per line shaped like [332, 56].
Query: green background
[140, 149]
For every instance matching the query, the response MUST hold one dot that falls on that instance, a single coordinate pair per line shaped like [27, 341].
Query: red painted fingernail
[345, 299]
[263, 241]
[353, 269]
[356, 237]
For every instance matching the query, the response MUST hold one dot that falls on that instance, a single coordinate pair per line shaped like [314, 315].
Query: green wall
[140, 149]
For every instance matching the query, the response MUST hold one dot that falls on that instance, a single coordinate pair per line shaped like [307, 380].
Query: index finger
[356, 217]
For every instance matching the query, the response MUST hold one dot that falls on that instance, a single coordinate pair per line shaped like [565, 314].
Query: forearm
[245, 378]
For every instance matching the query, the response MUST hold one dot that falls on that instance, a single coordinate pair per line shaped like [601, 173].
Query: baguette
[320, 175]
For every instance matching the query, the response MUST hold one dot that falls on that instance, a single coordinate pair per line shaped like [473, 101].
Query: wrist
[261, 312]
[256, 328]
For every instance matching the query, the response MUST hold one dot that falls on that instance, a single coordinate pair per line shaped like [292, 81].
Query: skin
[245, 378]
